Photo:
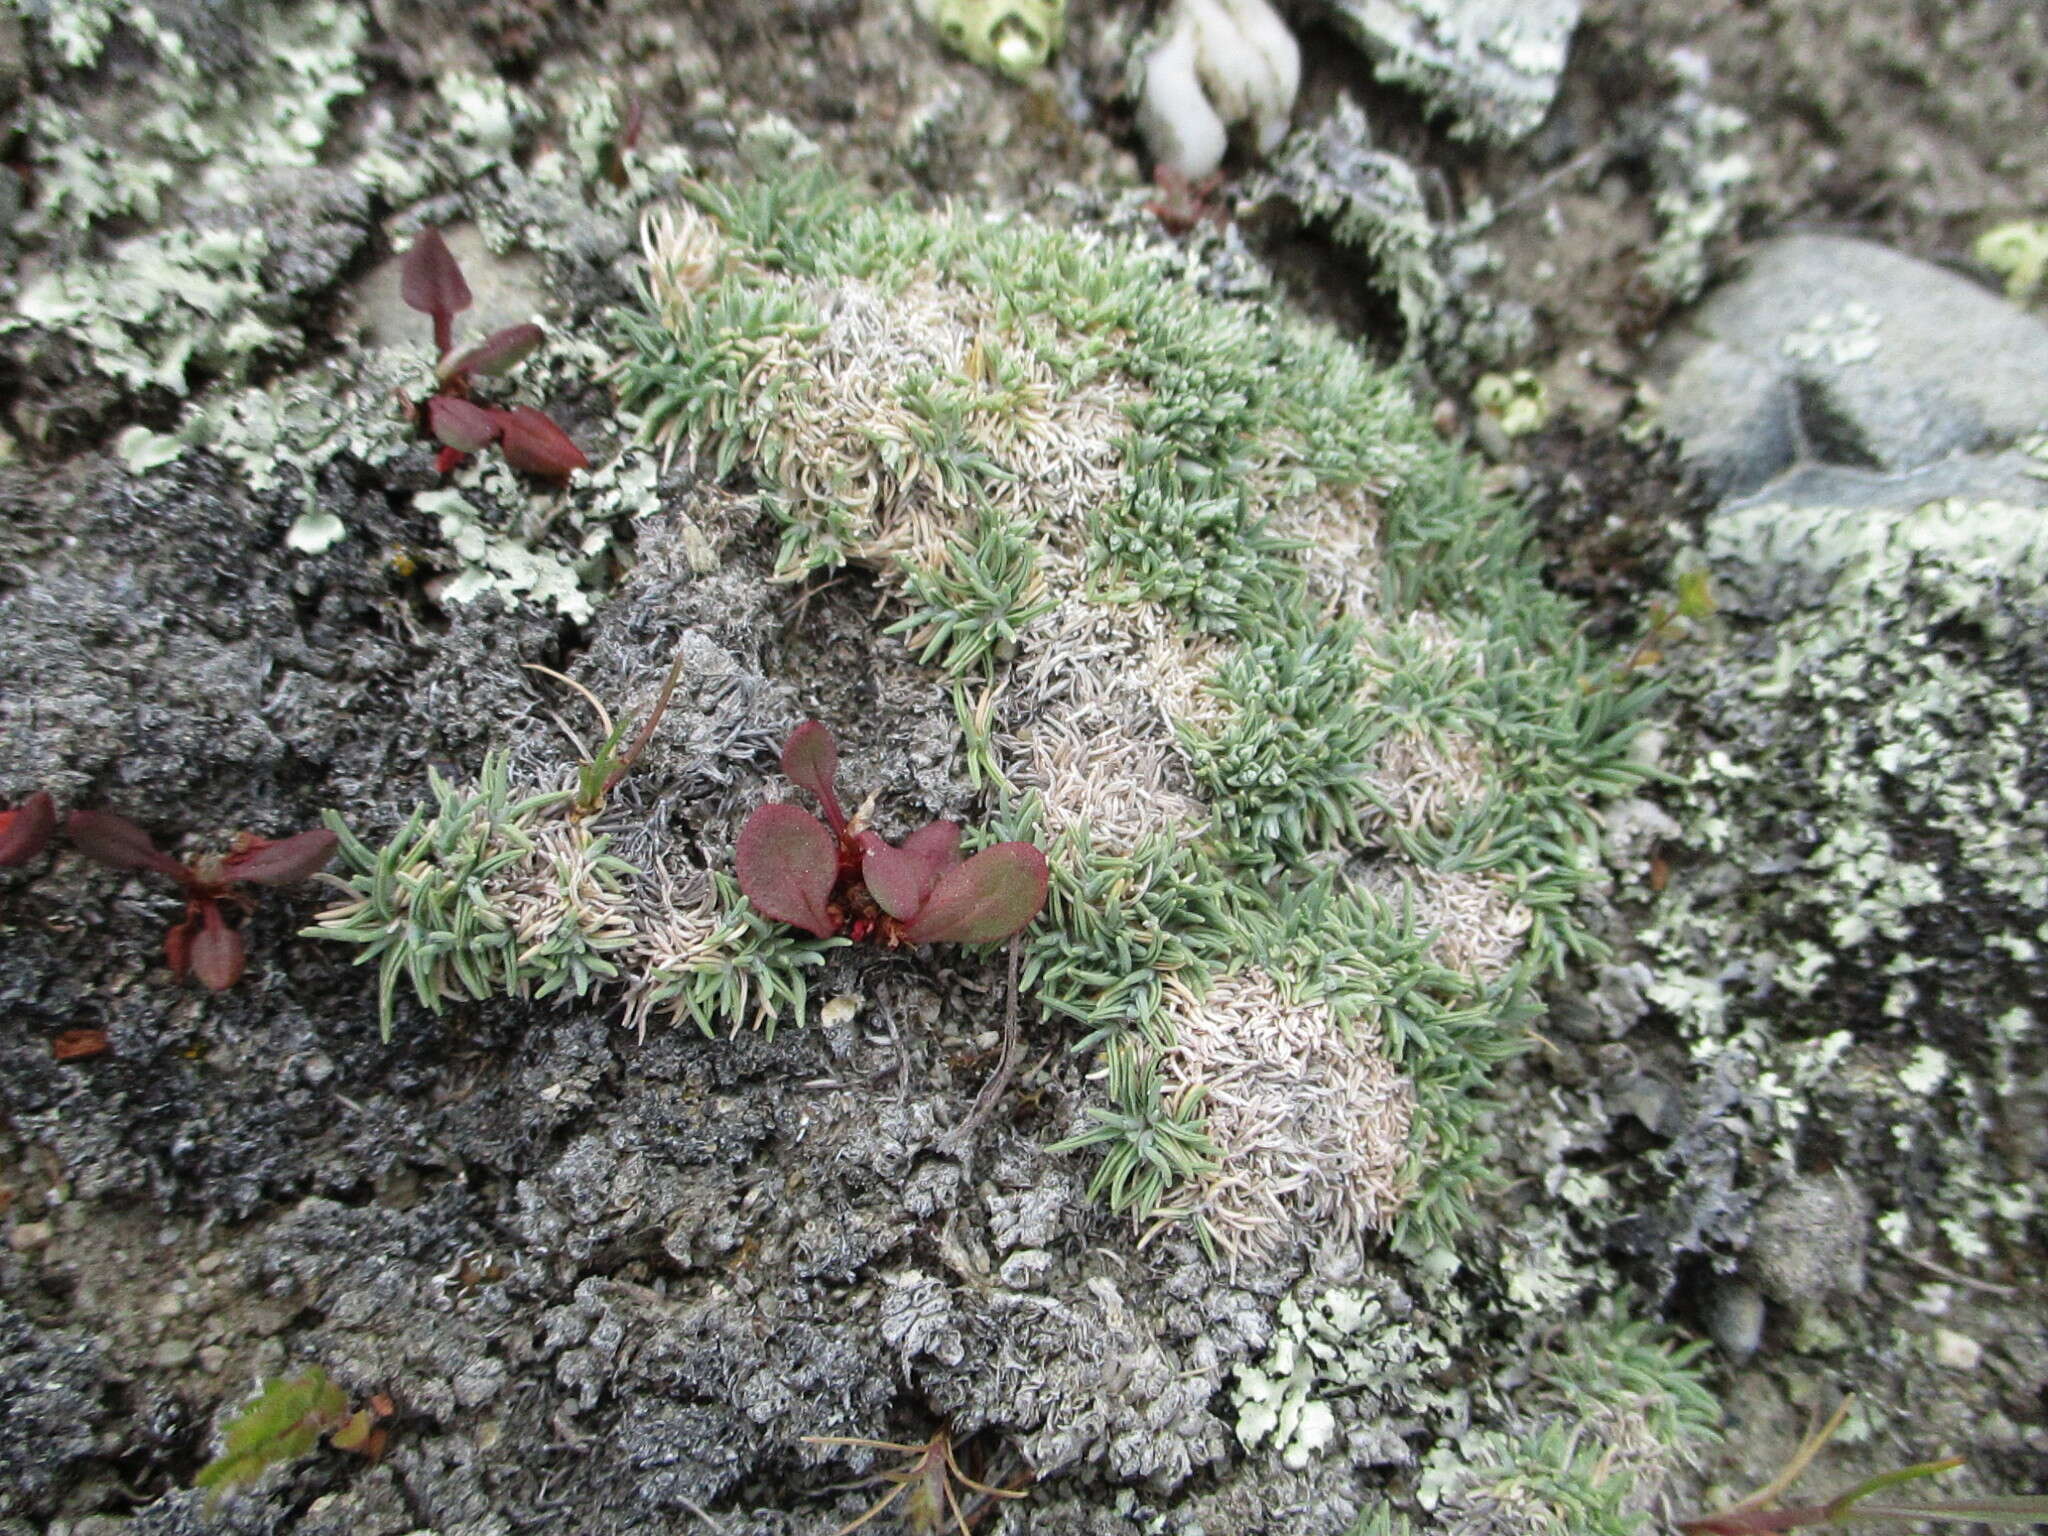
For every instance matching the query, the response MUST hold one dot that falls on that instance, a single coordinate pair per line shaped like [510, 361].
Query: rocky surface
[1839, 352]
[1491, 66]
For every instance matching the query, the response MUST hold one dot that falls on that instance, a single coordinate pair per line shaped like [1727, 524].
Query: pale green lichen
[2017, 252]
[1352, 1349]
[1899, 806]
[1700, 175]
[149, 308]
[194, 301]
[1013, 37]
[160, 304]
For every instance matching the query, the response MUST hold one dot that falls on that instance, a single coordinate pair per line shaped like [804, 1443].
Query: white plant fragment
[1219, 64]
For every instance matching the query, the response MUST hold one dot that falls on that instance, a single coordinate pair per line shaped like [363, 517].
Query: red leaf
[898, 879]
[76, 1044]
[531, 441]
[218, 953]
[937, 843]
[901, 879]
[787, 862]
[431, 280]
[25, 830]
[993, 895]
[495, 353]
[281, 860]
[811, 759]
[118, 843]
[178, 946]
[459, 425]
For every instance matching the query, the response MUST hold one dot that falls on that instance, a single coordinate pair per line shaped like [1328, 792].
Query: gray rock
[1789, 545]
[1844, 353]
[1810, 1240]
[1735, 1318]
[1492, 65]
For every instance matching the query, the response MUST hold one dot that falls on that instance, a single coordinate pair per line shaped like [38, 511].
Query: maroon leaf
[993, 895]
[25, 830]
[495, 354]
[77, 1044]
[178, 946]
[901, 879]
[431, 282]
[282, 860]
[811, 759]
[118, 843]
[459, 425]
[898, 879]
[219, 952]
[787, 861]
[937, 843]
[532, 442]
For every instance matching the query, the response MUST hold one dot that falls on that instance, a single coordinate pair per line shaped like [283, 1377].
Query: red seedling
[847, 879]
[431, 282]
[205, 943]
[25, 830]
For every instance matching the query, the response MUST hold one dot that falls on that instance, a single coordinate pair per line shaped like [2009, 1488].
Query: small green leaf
[284, 1423]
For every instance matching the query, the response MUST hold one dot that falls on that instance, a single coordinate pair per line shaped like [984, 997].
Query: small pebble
[1957, 1351]
[213, 1359]
[1735, 1319]
[29, 1236]
[174, 1354]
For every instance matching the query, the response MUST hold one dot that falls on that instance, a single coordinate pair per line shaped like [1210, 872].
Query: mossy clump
[1230, 634]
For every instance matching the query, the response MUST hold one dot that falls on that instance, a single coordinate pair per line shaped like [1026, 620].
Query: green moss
[967, 611]
[1612, 1408]
[975, 407]
[431, 907]
[745, 971]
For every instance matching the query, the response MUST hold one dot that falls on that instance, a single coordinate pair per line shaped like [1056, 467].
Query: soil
[592, 1250]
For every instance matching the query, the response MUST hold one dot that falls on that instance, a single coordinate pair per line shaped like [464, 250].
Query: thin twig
[959, 1140]
[603, 716]
[1989, 1287]
[668, 688]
